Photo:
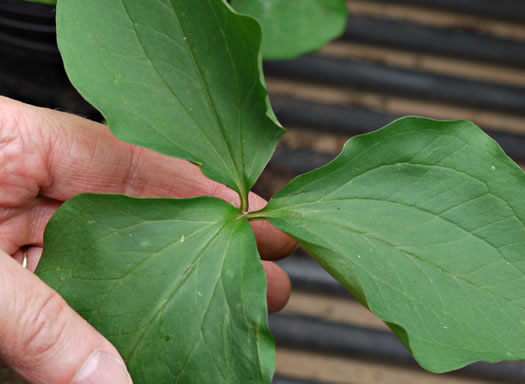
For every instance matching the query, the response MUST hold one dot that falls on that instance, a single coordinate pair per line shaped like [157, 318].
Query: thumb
[44, 340]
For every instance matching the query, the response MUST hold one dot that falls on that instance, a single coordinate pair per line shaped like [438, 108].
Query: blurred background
[445, 59]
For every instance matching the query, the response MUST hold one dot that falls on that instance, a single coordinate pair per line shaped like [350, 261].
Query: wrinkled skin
[47, 157]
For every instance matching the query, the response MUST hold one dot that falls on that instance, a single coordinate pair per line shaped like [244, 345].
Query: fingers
[44, 340]
[25, 225]
[279, 286]
[272, 243]
[21, 164]
[32, 254]
[60, 155]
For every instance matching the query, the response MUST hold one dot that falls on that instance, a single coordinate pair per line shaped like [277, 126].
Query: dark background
[446, 59]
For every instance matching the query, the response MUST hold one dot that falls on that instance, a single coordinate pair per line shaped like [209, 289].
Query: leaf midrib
[240, 180]
[426, 261]
[176, 286]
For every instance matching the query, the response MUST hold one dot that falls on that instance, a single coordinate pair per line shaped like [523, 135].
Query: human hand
[47, 157]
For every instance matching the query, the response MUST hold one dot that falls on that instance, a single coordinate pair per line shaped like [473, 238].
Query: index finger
[60, 155]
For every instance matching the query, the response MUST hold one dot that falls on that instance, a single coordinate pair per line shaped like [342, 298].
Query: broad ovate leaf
[176, 285]
[293, 28]
[176, 76]
[423, 221]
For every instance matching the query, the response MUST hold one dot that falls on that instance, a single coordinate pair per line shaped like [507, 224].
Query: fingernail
[103, 368]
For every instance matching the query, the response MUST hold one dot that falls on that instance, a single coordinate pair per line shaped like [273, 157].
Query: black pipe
[24, 25]
[333, 118]
[316, 335]
[306, 333]
[307, 275]
[33, 47]
[415, 84]
[352, 120]
[35, 10]
[453, 42]
[297, 162]
[513, 145]
[510, 10]
[290, 380]
[27, 27]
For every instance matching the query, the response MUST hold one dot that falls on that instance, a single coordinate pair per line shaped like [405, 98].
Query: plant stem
[245, 205]
[254, 216]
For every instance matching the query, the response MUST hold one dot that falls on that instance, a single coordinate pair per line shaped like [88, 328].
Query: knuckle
[22, 161]
[8, 112]
[10, 118]
[43, 331]
[133, 185]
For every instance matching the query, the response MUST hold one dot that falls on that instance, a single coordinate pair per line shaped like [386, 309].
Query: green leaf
[176, 285]
[424, 221]
[293, 28]
[179, 77]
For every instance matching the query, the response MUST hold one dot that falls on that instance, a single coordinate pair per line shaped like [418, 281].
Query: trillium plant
[423, 221]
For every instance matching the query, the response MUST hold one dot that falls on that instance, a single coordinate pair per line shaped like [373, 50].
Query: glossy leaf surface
[176, 76]
[176, 285]
[293, 28]
[424, 222]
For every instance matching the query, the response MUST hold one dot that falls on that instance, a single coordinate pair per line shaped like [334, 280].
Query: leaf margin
[295, 190]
